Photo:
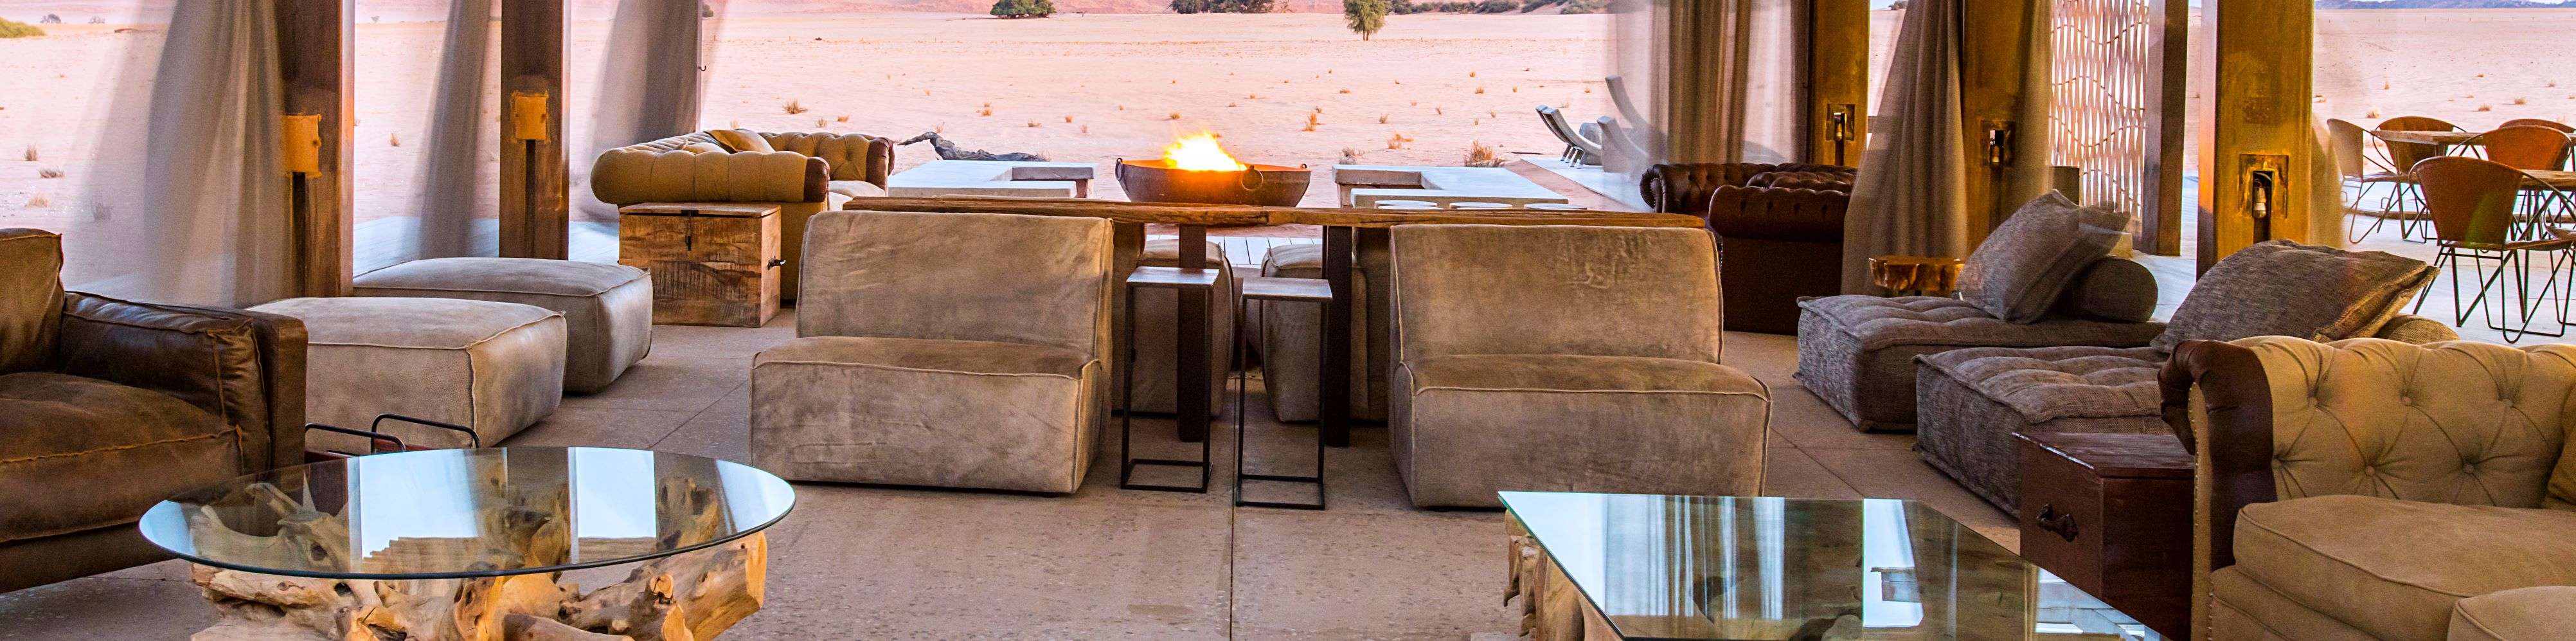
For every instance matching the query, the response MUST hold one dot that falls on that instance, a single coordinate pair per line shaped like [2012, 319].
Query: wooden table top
[2430, 137]
[730, 210]
[2558, 179]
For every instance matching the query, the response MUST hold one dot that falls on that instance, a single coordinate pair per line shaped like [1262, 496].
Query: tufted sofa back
[1685, 188]
[2457, 422]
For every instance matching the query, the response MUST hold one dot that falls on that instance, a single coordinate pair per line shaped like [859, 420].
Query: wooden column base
[686, 597]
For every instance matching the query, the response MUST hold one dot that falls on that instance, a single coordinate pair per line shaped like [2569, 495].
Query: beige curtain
[455, 194]
[651, 79]
[186, 202]
[1717, 80]
[1912, 198]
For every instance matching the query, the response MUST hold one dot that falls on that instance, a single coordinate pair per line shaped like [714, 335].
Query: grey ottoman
[1157, 320]
[1857, 352]
[607, 308]
[494, 367]
[1975, 399]
[1292, 335]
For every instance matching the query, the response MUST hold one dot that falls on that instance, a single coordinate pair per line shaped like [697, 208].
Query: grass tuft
[793, 107]
[49, 172]
[32, 156]
[1483, 155]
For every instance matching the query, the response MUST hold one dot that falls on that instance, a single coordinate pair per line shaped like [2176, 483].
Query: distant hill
[2442, 4]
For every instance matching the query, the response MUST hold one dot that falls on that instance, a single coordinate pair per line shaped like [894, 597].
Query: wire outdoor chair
[2472, 203]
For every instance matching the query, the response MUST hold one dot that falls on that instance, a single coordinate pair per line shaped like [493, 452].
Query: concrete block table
[1365, 185]
[994, 178]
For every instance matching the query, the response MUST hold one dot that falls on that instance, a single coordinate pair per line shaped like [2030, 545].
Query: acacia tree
[1024, 8]
[1365, 17]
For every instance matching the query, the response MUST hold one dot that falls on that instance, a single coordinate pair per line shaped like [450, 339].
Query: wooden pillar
[2160, 207]
[1837, 81]
[2003, 107]
[535, 180]
[315, 50]
[2256, 140]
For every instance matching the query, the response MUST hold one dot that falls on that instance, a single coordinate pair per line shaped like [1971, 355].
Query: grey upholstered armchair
[1566, 358]
[947, 350]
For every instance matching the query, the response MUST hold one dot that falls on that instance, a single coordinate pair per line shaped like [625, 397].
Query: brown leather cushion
[79, 453]
[31, 295]
[1775, 213]
[207, 359]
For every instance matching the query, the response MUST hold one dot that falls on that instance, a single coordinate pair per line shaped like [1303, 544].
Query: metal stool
[1199, 282]
[1286, 290]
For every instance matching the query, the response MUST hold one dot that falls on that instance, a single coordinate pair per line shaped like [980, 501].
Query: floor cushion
[1975, 399]
[1468, 426]
[490, 366]
[1857, 352]
[607, 308]
[926, 412]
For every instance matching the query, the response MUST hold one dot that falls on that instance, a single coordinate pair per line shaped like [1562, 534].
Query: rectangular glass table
[1637, 566]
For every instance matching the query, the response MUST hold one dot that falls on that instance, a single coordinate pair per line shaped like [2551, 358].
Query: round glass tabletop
[468, 513]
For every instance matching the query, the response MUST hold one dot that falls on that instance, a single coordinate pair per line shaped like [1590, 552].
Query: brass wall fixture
[2264, 176]
[1999, 142]
[528, 115]
[1839, 118]
[300, 143]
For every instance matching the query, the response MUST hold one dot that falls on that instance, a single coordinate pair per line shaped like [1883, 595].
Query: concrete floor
[877, 563]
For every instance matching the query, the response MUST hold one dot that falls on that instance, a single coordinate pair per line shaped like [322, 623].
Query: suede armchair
[2371, 489]
[1504, 379]
[802, 173]
[108, 406]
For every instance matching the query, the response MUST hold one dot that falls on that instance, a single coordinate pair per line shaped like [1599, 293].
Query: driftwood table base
[685, 597]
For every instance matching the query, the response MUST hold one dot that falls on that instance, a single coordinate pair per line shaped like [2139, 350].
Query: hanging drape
[184, 200]
[1711, 80]
[649, 84]
[428, 161]
[1913, 198]
[460, 146]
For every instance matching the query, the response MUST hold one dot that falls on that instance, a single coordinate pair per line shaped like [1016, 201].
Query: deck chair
[2346, 144]
[1579, 150]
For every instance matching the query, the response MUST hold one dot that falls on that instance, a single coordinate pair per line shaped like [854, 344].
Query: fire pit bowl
[1159, 181]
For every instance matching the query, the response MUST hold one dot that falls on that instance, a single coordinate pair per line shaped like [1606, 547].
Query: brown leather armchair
[1773, 222]
[107, 406]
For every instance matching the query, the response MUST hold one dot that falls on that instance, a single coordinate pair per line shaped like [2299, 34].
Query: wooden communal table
[1341, 249]
[2557, 179]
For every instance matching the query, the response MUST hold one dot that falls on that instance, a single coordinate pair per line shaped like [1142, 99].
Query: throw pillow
[2283, 288]
[740, 140]
[2018, 272]
[702, 148]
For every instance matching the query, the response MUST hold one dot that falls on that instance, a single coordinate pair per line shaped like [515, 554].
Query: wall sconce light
[300, 143]
[528, 115]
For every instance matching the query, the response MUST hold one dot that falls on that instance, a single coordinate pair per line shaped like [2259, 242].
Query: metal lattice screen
[2105, 67]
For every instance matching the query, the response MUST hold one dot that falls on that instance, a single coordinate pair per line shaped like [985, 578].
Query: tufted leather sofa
[2370, 489]
[803, 173]
[107, 406]
[1685, 188]
[1768, 241]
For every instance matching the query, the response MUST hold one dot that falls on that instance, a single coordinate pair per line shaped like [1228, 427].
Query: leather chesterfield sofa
[803, 173]
[108, 406]
[2373, 489]
[1773, 222]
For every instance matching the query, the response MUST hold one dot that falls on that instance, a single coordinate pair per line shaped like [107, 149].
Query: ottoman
[490, 366]
[1857, 352]
[1291, 334]
[1157, 320]
[607, 308]
[1975, 399]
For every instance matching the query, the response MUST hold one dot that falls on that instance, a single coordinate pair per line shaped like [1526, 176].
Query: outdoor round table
[2430, 137]
[469, 544]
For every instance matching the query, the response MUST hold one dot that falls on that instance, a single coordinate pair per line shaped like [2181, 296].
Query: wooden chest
[2111, 514]
[712, 263]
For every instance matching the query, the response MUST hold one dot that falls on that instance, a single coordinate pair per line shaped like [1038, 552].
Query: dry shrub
[2374, 113]
[1493, 114]
[1346, 91]
[2482, 75]
[793, 107]
[1086, 130]
[1381, 118]
[1252, 96]
[1397, 141]
[1173, 116]
[841, 119]
[986, 111]
[1033, 124]
[822, 123]
[1480, 90]
[925, 92]
[1437, 111]
[1350, 156]
[1068, 117]
[31, 153]
[1230, 104]
[2486, 107]
[2521, 101]
[940, 128]
[1484, 155]
[39, 202]
[1311, 122]
[1587, 90]
[1471, 74]
[49, 172]
[1122, 107]
[1516, 88]
[394, 139]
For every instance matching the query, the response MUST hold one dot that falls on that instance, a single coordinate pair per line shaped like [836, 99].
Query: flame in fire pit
[1199, 152]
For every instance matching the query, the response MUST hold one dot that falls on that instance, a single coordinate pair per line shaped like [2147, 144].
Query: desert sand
[1099, 87]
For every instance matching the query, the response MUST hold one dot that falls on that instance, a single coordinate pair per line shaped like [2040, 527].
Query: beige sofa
[802, 173]
[944, 350]
[1505, 379]
[2371, 489]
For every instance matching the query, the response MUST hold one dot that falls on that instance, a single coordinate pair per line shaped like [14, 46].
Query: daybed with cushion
[108, 406]
[2042, 279]
[1504, 380]
[1973, 400]
[802, 173]
[2370, 489]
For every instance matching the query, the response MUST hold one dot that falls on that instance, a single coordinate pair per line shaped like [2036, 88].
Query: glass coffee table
[1636, 566]
[471, 544]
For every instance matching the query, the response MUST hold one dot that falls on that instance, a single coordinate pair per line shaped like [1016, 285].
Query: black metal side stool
[1286, 290]
[1186, 283]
